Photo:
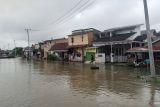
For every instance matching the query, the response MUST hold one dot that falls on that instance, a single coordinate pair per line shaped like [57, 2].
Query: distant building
[60, 49]
[28, 52]
[41, 50]
[143, 36]
[36, 50]
[49, 43]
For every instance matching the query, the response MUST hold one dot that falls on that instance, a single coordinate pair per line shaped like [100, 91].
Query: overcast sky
[57, 18]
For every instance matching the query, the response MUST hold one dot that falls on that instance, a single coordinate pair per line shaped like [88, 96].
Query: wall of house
[77, 40]
[89, 50]
[90, 38]
[37, 46]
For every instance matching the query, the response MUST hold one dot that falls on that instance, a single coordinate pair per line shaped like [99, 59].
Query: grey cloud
[16, 15]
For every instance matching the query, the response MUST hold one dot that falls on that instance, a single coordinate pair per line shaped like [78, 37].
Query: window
[100, 55]
[72, 40]
[82, 38]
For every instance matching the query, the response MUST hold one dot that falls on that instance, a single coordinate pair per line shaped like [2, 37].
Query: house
[49, 43]
[41, 49]
[60, 49]
[158, 34]
[116, 41]
[80, 44]
[36, 50]
[143, 36]
[28, 52]
[142, 53]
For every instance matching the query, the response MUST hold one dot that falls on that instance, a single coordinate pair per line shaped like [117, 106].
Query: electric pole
[8, 46]
[150, 48]
[27, 30]
[14, 48]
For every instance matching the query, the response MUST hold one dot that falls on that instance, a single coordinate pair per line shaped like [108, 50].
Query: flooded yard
[51, 84]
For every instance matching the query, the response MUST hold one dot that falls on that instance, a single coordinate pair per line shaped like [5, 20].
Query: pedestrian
[92, 59]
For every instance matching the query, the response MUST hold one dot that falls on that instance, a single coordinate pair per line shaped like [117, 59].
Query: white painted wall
[125, 31]
[100, 58]
[138, 33]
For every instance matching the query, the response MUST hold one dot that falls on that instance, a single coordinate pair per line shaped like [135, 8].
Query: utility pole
[27, 30]
[150, 48]
[14, 48]
[8, 46]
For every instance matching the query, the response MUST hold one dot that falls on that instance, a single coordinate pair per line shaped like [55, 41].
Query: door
[89, 56]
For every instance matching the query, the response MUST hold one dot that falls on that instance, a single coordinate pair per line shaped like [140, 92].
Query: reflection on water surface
[49, 84]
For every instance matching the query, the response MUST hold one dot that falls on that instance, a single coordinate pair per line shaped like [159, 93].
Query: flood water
[48, 84]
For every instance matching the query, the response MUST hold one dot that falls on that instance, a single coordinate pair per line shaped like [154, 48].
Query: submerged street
[51, 84]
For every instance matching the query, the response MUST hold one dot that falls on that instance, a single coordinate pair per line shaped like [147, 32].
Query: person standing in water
[92, 59]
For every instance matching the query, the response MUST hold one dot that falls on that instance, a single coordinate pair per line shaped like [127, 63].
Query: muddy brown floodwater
[48, 84]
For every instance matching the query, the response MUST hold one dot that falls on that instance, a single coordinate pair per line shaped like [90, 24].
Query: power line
[78, 3]
[83, 8]
[80, 9]
[27, 30]
[61, 17]
[15, 48]
[70, 12]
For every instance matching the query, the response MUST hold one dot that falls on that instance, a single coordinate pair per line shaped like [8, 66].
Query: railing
[117, 59]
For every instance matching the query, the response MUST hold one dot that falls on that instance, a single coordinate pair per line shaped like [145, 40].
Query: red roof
[156, 48]
[59, 47]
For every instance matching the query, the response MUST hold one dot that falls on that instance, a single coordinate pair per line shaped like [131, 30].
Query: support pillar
[111, 54]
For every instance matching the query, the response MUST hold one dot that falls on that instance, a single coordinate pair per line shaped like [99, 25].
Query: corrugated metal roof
[123, 28]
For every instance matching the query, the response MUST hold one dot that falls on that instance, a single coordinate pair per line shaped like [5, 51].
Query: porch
[116, 52]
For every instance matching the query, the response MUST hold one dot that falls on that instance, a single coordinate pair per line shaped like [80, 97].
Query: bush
[130, 62]
[66, 58]
[53, 57]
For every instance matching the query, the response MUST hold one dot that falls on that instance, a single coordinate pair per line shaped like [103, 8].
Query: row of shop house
[110, 45]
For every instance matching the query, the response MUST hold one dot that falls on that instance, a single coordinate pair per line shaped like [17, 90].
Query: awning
[156, 48]
[60, 50]
[137, 49]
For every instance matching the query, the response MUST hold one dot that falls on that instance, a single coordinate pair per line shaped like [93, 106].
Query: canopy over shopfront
[156, 48]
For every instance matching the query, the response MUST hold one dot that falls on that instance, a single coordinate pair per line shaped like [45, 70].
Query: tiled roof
[59, 46]
[158, 34]
[141, 38]
[117, 37]
[144, 49]
[54, 40]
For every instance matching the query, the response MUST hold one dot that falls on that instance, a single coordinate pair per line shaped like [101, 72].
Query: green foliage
[53, 57]
[66, 58]
[18, 51]
[130, 62]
